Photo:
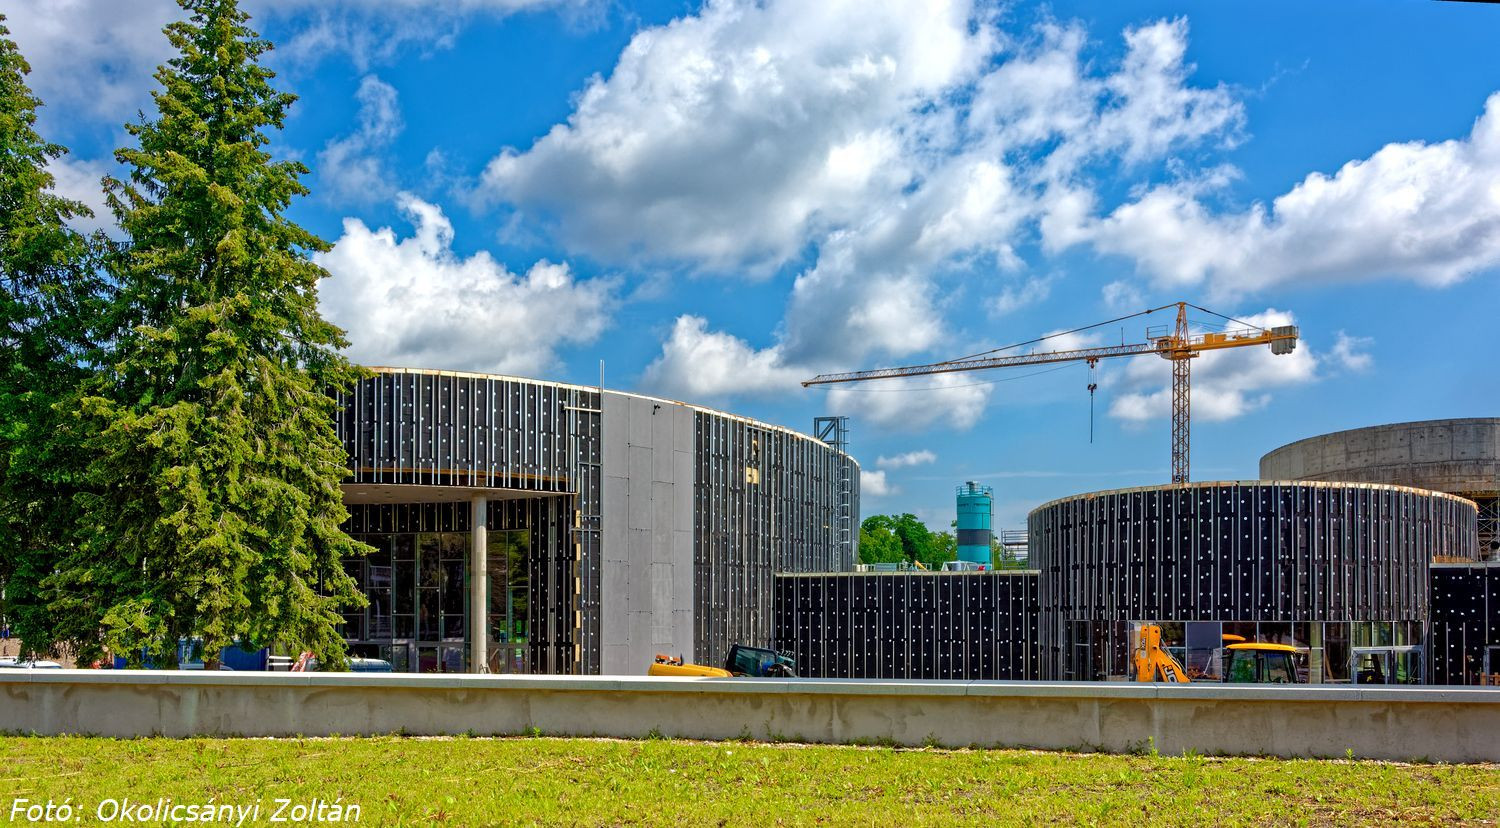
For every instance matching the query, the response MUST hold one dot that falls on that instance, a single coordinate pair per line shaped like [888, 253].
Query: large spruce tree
[48, 305]
[216, 505]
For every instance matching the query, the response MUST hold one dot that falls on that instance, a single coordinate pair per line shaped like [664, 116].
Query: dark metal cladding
[467, 430]
[961, 625]
[1465, 635]
[1255, 551]
[764, 501]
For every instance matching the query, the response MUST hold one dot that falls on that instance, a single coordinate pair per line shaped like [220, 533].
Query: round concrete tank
[1254, 558]
[1460, 456]
[976, 508]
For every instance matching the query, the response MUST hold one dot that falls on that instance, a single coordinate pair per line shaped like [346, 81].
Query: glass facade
[418, 591]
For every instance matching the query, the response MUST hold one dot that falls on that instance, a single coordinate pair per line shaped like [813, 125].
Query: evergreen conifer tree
[216, 505]
[49, 299]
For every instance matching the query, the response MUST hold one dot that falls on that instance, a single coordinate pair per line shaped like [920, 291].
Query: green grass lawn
[408, 781]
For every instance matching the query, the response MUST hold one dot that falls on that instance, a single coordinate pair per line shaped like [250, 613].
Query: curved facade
[1460, 456]
[595, 527]
[1334, 567]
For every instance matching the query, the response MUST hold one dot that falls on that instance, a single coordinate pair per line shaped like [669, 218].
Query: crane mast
[1179, 345]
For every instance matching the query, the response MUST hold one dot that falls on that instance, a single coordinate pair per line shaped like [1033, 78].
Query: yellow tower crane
[1178, 344]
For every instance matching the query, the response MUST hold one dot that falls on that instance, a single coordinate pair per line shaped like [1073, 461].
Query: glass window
[1241, 666]
[1336, 651]
[1278, 668]
[429, 560]
[427, 615]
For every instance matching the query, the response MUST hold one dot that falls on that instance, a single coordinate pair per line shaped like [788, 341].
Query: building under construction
[1366, 553]
[529, 526]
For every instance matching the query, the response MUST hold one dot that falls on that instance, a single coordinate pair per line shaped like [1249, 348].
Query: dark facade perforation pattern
[1241, 552]
[1465, 622]
[460, 430]
[764, 501]
[967, 626]
[465, 430]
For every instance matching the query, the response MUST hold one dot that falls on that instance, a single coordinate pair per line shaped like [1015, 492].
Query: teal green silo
[975, 513]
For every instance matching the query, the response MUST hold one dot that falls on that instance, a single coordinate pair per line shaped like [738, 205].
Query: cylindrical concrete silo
[975, 513]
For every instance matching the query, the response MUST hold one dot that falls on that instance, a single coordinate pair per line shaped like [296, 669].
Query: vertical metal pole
[479, 585]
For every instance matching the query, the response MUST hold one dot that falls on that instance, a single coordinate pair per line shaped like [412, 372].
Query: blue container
[976, 509]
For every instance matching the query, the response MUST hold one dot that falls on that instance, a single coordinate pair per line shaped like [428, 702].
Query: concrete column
[479, 585]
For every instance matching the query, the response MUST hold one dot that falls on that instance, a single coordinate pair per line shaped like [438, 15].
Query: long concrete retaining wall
[1452, 725]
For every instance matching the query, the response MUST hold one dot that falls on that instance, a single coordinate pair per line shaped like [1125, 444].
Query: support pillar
[479, 585]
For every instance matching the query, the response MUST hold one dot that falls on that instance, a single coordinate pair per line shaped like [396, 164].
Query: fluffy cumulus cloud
[79, 181]
[892, 144]
[413, 301]
[729, 135]
[1351, 352]
[696, 363]
[1429, 212]
[1225, 384]
[350, 168]
[910, 458]
[874, 484]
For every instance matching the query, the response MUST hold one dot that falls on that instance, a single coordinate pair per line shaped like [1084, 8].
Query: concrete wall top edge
[822, 687]
[1217, 484]
[1454, 455]
[438, 372]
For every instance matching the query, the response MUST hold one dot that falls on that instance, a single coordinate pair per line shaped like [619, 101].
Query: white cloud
[1425, 212]
[886, 143]
[349, 168]
[1013, 298]
[874, 484]
[414, 302]
[695, 364]
[99, 55]
[1349, 352]
[78, 180]
[910, 458]
[915, 403]
[1225, 384]
[731, 135]
[1121, 295]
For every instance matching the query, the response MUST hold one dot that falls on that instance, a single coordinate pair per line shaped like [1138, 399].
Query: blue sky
[719, 200]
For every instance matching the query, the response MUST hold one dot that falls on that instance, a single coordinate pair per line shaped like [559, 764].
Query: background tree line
[168, 465]
[905, 539]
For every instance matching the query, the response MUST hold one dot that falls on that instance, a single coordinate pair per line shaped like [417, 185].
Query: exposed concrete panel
[648, 588]
[1426, 724]
[1456, 456]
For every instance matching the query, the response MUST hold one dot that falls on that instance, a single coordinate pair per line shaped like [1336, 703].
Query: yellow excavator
[1245, 662]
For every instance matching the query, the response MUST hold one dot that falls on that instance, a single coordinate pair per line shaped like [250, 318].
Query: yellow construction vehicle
[1245, 662]
[665, 665]
[1152, 663]
[755, 662]
[1255, 662]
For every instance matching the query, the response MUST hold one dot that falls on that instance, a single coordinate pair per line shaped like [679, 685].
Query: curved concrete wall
[1382, 723]
[1456, 456]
